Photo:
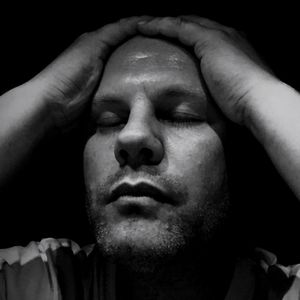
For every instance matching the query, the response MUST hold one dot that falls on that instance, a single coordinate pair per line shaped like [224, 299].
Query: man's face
[155, 172]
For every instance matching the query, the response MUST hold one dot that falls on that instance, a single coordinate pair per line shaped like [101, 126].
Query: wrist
[32, 101]
[271, 104]
[259, 101]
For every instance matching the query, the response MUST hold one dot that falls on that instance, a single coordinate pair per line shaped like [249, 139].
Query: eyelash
[173, 120]
[179, 120]
[113, 121]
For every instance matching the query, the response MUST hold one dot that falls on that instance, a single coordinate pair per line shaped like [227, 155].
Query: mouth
[139, 191]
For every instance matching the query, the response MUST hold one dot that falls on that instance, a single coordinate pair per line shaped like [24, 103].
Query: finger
[210, 24]
[126, 21]
[99, 42]
[202, 21]
[230, 31]
[186, 32]
[114, 33]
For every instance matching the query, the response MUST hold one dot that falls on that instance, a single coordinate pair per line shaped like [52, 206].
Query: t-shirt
[58, 269]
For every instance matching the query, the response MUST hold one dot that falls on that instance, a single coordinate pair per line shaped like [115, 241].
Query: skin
[152, 97]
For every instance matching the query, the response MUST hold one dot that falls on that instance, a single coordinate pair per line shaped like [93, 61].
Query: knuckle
[83, 39]
[174, 21]
[189, 25]
[155, 21]
[106, 28]
[84, 36]
[218, 34]
[201, 45]
[127, 20]
[126, 23]
[132, 20]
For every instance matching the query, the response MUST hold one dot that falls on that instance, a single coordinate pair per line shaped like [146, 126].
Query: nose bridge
[139, 123]
[139, 118]
[138, 142]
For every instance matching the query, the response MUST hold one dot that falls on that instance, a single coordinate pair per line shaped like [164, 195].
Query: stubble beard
[147, 249]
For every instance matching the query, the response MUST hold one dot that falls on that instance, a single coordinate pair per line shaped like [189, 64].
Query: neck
[187, 276]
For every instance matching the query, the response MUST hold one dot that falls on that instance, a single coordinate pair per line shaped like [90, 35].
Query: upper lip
[141, 189]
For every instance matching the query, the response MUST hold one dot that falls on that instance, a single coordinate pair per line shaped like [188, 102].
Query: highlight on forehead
[146, 50]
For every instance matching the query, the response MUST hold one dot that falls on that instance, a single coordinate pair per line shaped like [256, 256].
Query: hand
[67, 84]
[230, 67]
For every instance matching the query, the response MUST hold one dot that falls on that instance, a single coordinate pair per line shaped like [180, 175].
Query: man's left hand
[230, 66]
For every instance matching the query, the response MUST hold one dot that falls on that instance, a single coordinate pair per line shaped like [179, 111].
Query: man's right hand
[56, 97]
[67, 83]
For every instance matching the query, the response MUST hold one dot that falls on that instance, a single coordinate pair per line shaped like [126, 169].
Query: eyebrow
[173, 91]
[179, 91]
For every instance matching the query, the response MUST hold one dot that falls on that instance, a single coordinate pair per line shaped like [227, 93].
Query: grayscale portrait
[150, 156]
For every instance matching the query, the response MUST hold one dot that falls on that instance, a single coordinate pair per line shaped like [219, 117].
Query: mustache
[145, 172]
[172, 184]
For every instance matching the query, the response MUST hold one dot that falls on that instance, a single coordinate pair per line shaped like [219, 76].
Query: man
[156, 176]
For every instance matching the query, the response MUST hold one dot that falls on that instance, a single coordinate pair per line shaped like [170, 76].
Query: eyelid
[109, 118]
[185, 114]
[103, 107]
[180, 114]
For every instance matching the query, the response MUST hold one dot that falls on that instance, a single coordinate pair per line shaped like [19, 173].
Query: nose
[137, 144]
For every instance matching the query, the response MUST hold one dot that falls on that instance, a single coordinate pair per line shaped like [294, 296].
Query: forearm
[23, 123]
[274, 119]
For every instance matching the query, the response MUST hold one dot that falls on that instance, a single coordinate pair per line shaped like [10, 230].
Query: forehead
[144, 50]
[150, 61]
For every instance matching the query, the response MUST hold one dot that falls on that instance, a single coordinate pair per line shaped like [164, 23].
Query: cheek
[98, 160]
[198, 158]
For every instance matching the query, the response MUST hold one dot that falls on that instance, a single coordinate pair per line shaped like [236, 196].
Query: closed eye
[178, 118]
[110, 119]
[109, 122]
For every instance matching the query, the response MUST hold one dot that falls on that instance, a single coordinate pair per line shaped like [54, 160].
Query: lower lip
[138, 201]
[130, 206]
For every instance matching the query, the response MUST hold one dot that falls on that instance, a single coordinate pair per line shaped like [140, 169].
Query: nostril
[146, 153]
[123, 154]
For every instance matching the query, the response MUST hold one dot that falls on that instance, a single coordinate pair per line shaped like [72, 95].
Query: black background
[46, 198]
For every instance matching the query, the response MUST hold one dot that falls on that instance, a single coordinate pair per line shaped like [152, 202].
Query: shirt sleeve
[285, 280]
[42, 270]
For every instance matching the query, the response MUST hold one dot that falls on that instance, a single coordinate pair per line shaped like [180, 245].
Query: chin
[141, 245]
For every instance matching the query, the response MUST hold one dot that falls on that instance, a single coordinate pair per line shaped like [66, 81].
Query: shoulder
[43, 270]
[269, 263]
[41, 250]
[284, 280]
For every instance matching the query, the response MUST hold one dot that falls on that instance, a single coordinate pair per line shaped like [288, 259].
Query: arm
[24, 121]
[273, 116]
[55, 98]
[243, 87]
